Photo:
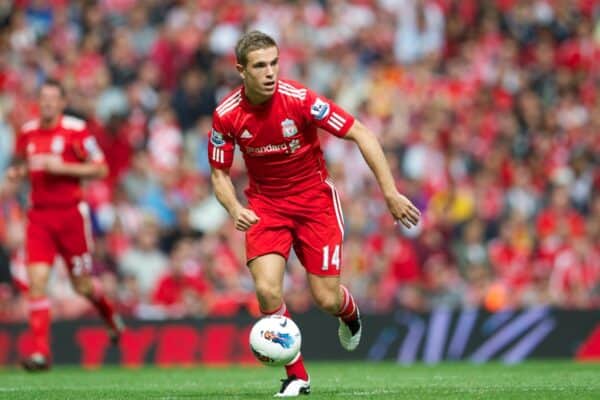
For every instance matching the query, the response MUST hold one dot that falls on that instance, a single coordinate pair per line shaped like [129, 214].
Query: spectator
[144, 261]
[182, 291]
[193, 99]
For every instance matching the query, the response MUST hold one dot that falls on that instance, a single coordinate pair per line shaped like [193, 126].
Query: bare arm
[400, 207]
[17, 169]
[84, 170]
[243, 218]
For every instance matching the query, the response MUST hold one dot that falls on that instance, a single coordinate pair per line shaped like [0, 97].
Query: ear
[240, 70]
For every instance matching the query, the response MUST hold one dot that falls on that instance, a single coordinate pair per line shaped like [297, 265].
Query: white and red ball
[275, 340]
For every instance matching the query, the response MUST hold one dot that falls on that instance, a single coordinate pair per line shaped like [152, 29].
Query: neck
[255, 98]
[49, 122]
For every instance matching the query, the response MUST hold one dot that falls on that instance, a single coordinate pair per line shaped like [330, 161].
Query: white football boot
[292, 387]
[348, 340]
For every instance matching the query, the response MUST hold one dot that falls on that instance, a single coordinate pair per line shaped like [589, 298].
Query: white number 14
[335, 257]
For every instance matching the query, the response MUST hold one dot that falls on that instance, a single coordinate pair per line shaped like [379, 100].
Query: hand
[403, 210]
[16, 172]
[54, 165]
[244, 218]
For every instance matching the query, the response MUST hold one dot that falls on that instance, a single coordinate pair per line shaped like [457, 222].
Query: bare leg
[337, 300]
[267, 272]
[91, 288]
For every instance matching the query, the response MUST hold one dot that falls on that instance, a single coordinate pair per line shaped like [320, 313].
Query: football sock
[281, 310]
[348, 310]
[99, 301]
[296, 367]
[39, 323]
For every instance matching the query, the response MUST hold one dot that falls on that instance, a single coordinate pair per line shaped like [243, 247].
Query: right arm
[243, 218]
[17, 168]
[220, 156]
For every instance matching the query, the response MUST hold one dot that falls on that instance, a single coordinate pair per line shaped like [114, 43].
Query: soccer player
[291, 200]
[57, 152]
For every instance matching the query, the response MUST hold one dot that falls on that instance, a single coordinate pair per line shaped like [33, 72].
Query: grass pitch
[533, 380]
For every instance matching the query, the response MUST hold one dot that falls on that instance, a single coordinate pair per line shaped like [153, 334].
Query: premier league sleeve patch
[216, 138]
[319, 110]
[93, 150]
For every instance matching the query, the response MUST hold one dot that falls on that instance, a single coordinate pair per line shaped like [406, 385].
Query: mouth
[269, 85]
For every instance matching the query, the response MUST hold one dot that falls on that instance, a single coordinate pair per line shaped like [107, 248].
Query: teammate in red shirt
[57, 152]
[291, 200]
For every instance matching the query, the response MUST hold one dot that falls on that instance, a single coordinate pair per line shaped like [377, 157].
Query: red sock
[39, 323]
[296, 367]
[348, 310]
[99, 301]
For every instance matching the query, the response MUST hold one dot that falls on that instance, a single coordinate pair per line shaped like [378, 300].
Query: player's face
[52, 103]
[260, 74]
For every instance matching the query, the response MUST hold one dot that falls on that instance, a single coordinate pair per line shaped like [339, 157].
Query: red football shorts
[310, 221]
[67, 232]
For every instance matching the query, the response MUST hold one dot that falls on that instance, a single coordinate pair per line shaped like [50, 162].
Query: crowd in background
[489, 113]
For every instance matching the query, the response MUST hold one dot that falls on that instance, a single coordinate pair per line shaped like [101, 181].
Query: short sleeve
[327, 115]
[87, 148]
[220, 145]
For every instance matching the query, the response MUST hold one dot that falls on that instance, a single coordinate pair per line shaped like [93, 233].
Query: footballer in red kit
[57, 151]
[292, 203]
[287, 171]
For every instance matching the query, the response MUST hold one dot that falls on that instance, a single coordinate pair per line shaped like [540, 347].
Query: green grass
[534, 380]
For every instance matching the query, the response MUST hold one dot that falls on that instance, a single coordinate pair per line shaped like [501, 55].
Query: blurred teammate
[57, 152]
[291, 200]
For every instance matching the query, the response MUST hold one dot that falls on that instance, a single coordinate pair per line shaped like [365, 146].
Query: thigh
[318, 234]
[75, 242]
[268, 270]
[40, 247]
[321, 285]
[272, 234]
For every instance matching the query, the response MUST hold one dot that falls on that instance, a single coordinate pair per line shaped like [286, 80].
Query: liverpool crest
[58, 144]
[288, 128]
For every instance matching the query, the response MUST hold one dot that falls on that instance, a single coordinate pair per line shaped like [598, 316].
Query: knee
[328, 301]
[37, 286]
[82, 288]
[36, 289]
[269, 295]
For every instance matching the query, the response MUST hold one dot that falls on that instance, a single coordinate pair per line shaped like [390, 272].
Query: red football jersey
[278, 139]
[70, 141]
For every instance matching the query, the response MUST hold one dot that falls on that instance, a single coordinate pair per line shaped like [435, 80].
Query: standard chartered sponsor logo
[270, 148]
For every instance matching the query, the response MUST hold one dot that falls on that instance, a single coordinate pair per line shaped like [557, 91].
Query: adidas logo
[246, 134]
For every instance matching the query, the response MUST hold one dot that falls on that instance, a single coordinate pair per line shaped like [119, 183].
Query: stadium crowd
[488, 110]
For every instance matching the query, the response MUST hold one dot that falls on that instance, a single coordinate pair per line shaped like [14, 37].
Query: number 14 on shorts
[335, 257]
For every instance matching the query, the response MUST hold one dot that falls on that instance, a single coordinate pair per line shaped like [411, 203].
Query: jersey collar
[257, 107]
[53, 127]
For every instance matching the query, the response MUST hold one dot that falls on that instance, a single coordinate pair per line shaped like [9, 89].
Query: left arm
[327, 115]
[91, 164]
[83, 170]
[401, 208]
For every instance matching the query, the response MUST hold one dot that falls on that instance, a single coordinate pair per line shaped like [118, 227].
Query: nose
[269, 71]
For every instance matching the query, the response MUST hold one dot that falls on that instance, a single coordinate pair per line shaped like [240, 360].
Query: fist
[244, 218]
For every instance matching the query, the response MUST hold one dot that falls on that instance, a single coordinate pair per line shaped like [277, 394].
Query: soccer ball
[275, 340]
